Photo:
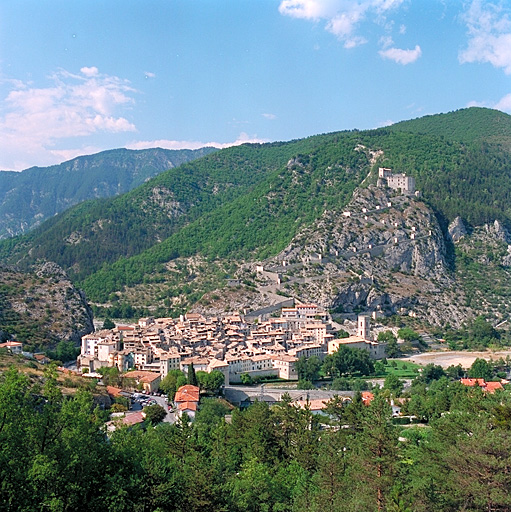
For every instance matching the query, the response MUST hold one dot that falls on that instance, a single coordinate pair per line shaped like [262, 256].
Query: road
[170, 418]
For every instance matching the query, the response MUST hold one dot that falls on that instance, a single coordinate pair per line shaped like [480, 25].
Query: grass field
[400, 368]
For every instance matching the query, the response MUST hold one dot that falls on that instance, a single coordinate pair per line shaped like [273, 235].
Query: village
[229, 344]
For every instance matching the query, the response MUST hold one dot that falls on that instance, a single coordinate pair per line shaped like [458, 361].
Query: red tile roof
[187, 393]
[187, 406]
[113, 391]
[491, 387]
[367, 397]
[473, 382]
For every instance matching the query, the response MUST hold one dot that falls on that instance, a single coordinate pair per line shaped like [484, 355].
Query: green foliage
[481, 369]
[246, 379]
[191, 376]
[155, 413]
[210, 382]
[263, 459]
[172, 382]
[108, 324]
[308, 368]
[391, 348]
[393, 384]
[111, 376]
[432, 372]
[347, 362]
[35, 194]
[408, 334]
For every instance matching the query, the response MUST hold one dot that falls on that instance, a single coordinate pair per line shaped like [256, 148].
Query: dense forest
[55, 454]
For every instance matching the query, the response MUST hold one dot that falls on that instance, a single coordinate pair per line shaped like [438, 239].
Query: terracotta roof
[367, 397]
[187, 393]
[473, 382]
[113, 391]
[132, 418]
[142, 376]
[187, 406]
[11, 344]
[491, 387]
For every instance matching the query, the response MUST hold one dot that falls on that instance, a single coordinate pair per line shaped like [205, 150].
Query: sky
[82, 76]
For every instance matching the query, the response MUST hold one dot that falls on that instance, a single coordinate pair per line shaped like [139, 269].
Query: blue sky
[81, 76]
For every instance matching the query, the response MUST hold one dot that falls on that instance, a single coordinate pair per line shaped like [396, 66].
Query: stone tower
[364, 325]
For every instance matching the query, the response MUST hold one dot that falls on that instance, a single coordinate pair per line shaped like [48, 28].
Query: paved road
[170, 418]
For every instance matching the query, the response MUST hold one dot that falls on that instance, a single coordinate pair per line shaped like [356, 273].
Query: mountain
[42, 307]
[466, 125]
[196, 235]
[29, 197]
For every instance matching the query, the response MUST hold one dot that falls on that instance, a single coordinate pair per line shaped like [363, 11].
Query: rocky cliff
[42, 307]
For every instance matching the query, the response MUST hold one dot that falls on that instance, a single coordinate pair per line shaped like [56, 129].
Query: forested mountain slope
[183, 232]
[85, 237]
[29, 197]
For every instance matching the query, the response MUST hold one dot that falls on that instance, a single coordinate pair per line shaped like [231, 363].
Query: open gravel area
[448, 358]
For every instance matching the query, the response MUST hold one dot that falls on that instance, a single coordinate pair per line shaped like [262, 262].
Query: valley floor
[453, 357]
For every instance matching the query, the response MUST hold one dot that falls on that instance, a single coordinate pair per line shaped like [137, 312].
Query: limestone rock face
[498, 231]
[457, 230]
[43, 307]
[384, 252]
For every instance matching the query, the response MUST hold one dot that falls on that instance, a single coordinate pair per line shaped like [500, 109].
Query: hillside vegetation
[29, 197]
[247, 204]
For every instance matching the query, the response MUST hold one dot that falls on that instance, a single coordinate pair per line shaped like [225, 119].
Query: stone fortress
[402, 182]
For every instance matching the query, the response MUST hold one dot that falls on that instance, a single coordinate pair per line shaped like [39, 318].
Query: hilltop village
[230, 344]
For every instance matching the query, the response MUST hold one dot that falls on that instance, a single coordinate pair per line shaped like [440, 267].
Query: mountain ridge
[29, 197]
[190, 228]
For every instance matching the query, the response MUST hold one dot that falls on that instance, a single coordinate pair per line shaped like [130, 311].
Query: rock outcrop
[42, 307]
[457, 230]
[384, 252]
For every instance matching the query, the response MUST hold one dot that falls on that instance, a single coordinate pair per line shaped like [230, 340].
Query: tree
[455, 372]
[108, 324]
[408, 334]
[155, 413]
[432, 372]
[308, 368]
[375, 456]
[393, 384]
[192, 378]
[210, 382]
[111, 375]
[392, 348]
[481, 369]
[348, 361]
[172, 382]
[246, 379]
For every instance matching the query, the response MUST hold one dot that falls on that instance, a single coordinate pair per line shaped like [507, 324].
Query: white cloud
[93, 71]
[489, 35]
[342, 17]
[271, 117]
[189, 144]
[34, 119]
[403, 57]
[504, 104]
[148, 74]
